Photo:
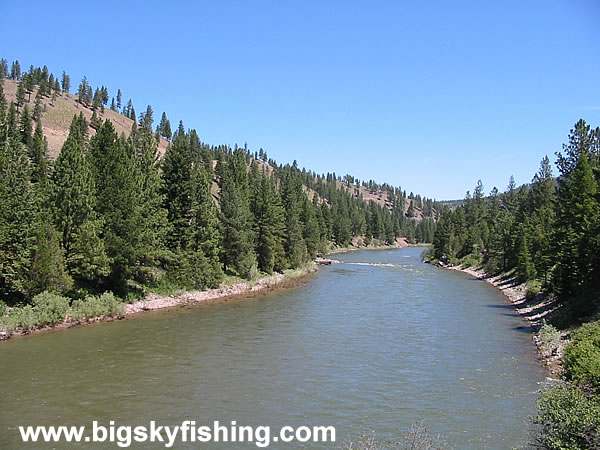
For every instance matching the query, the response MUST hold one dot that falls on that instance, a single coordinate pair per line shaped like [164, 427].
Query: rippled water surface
[369, 346]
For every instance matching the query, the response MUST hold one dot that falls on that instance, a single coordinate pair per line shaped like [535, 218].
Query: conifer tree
[83, 92]
[115, 174]
[119, 99]
[177, 188]
[48, 269]
[37, 155]
[15, 71]
[65, 82]
[150, 199]
[26, 127]
[577, 234]
[205, 236]
[164, 127]
[238, 240]
[3, 68]
[38, 108]
[20, 96]
[269, 226]
[73, 200]
[97, 100]
[17, 212]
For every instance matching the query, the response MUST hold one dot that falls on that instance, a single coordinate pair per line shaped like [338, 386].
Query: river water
[369, 346]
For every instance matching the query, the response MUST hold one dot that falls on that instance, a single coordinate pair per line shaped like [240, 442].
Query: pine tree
[83, 92]
[177, 188]
[97, 100]
[269, 226]
[116, 179]
[65, 82]
[15, 71]
[310, 227]
[205, 237]
[26, 127]
[238, 240]
[73, 200]
[38, 108]
[164, 128]
[150, 198]
[119, 98]
[577, 232]
[37, 155]
[17, 212]
[48, 270]
[3, 68]
[525, 267]
[20, 96]
[147, 118]
[28, 84]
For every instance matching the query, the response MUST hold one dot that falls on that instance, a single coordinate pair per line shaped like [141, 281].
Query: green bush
[549, 335]
[2, 308]
[567, 419]
[50, 308]
[533, 288]
[24, 317]
[582, 355]
[470, 261]
[105, 305]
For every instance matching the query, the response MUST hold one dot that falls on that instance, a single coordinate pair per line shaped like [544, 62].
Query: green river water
[369, 346]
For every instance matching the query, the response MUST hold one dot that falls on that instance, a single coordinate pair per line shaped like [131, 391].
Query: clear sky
[430, 95]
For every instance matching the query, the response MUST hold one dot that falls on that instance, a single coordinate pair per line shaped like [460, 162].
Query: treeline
[109, 214]
[547, 231]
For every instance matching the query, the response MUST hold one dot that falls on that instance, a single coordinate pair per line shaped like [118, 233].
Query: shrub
[549, 335]
[567, 419]
[24, 317]
[470, 261]
[50, 308]
[582, 355]
[105, 305]
[2, 308]
[533, 288]
[417, 437]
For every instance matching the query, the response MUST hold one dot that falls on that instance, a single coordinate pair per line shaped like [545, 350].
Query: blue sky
[431, 96]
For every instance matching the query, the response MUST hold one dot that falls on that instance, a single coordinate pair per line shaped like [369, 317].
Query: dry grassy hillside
[58, 115]
[379, 197]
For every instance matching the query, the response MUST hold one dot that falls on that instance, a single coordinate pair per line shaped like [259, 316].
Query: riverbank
[358, 245]
[533, 308]
[244, 289]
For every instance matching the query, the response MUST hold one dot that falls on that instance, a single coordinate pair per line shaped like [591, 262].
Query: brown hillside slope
[57, 117]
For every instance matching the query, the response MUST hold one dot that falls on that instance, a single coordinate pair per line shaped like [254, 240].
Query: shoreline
[353, 248]
[152, 302]
[533, 310]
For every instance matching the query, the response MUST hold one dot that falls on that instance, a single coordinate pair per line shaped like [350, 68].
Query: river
[369, 346]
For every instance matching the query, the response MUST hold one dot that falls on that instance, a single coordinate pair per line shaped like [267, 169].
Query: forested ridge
[546, 234]
[113, 213]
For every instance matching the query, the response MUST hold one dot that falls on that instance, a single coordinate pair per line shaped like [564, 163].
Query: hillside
[59, 114]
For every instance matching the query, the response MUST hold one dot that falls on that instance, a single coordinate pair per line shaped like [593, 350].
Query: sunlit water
[369, 346]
